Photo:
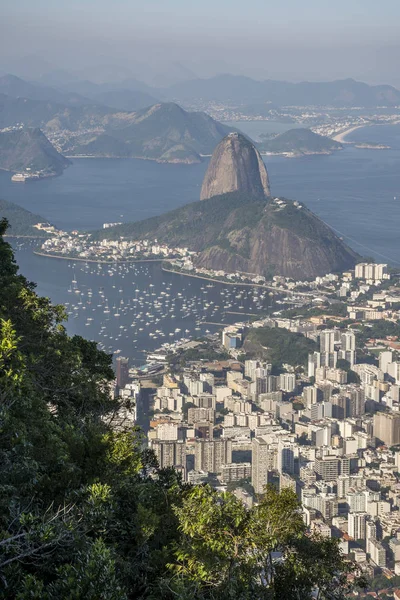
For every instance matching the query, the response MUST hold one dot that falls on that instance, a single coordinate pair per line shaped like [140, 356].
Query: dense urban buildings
[326, 426]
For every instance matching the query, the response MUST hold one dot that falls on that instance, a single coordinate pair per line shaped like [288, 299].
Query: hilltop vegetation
[235, 232]
[23, 149]
[21, 221]
[85, 511]
[300, 141]
[278, 346]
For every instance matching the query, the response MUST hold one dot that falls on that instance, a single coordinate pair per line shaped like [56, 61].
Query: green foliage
[378, 329]
[21, 221]
[29, 148]
[301, 141]
[196, 224]
[337, 309]
[343, 364]
[229, 552]
[85, 511]
[76, 498]
[279, 346]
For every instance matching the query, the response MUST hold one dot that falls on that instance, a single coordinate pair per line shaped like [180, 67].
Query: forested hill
[21, 222]
[85, 512]
[163, 132]
[22, 149]
[237, 232]
[300, 141]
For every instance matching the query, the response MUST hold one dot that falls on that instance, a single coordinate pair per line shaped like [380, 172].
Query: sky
[161, 41]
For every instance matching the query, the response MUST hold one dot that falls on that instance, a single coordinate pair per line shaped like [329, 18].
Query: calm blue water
[353, 191]
[136, 307]
[93, 191]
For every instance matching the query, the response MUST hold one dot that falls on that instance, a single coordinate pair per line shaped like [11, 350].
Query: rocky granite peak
[235, 166]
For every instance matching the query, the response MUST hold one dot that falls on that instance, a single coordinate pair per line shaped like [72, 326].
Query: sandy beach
[340, 137]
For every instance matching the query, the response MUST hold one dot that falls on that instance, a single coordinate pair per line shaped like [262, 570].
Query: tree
[227, 551]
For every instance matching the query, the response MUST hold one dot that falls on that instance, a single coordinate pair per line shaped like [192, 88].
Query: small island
[298, 142]
[371, 146]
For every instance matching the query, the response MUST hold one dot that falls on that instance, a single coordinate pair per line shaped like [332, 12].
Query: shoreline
[91, 260]
[161, 260]
[340, 137]
[71, 157]
[260, 285]
[301, 154]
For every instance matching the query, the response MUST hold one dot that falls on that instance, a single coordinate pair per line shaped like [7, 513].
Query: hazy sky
[292, 39]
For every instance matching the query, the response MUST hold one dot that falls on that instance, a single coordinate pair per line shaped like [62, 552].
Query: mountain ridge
[21, 221]
[163, 132]
[245, 90]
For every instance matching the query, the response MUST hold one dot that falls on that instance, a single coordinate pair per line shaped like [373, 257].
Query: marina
[129, 308]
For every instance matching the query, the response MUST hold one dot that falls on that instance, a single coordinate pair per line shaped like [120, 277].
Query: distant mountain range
[163, 131]
[129, 95]
[18, 88]
[244, 90]
[117, 120]
[49, 115]
[24, 149]
[79, 94]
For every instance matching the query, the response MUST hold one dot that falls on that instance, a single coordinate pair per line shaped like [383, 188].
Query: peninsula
[23, 223]
[29, 154]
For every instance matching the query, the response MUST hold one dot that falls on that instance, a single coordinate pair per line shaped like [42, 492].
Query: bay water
[355, 191]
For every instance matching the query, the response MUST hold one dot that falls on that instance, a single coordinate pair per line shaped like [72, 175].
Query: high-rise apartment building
[170, 453]
[122, 370]
[356, 525]
[327, 341]
[286, 456]
[259, 464]
[387, 428]
[210, 455]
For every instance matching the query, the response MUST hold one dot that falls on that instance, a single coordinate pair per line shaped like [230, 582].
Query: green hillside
[300, 141]
[234, 232]
[22, 149]
[278, 346]
[163, 132]
[21, 221]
